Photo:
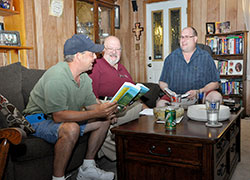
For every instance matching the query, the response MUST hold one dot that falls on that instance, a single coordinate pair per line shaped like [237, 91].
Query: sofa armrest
[7, 135]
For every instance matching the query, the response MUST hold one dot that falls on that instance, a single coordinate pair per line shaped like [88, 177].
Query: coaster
[218, 124]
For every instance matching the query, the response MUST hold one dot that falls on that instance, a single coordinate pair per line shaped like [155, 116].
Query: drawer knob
[158, 154]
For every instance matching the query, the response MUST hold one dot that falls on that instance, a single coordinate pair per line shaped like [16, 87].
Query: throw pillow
[13, 117]
[29, 79]
[11, 84]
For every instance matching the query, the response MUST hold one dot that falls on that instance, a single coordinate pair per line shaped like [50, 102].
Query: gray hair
[69, 58]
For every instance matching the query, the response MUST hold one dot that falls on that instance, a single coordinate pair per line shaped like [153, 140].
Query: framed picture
[10, 38]
[6, 4]
[210, 27]
[117, 16]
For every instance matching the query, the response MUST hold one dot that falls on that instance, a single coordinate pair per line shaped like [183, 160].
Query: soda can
[170, 115]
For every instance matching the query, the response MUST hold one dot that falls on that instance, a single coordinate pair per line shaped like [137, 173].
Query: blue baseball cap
[80, 43]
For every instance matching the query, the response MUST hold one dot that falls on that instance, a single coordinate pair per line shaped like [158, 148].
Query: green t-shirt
[57, 91]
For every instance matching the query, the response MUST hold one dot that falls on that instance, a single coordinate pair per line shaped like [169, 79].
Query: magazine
[173, 94]
[129, 93]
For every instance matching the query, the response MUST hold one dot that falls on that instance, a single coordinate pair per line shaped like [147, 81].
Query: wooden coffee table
[145, 150]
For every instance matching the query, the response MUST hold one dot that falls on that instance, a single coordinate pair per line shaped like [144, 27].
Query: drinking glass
[213, 108]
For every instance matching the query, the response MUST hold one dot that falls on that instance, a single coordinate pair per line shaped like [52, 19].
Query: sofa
[33, 157]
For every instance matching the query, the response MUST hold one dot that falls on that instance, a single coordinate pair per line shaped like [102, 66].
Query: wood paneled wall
[47, 33]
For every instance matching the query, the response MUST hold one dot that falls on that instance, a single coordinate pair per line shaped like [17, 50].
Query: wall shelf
[7, 12]
[14, 47]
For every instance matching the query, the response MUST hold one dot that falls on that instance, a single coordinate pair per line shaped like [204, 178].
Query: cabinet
[230, 55]
[13, 21]
[95, 18]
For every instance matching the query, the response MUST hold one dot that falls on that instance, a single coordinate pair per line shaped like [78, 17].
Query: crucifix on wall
[137, 30]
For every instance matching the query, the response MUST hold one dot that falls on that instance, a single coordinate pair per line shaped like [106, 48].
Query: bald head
[112, 50]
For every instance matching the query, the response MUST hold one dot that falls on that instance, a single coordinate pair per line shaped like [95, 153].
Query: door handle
[149, 65]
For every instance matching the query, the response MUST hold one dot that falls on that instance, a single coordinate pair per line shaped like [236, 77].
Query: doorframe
[145, 2]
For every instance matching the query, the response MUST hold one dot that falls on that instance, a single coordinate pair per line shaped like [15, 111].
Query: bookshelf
[230, 55]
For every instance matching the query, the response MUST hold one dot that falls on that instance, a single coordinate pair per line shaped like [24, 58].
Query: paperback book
[173, 94]
[129, 93]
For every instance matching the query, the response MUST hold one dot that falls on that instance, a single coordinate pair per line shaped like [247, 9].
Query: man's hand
[192, 94]
[105, 110]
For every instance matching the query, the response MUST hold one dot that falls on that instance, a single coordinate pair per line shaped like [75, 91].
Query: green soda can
[170, 115]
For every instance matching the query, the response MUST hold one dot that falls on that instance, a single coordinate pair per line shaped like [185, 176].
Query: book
[173, 94]
[129, 93]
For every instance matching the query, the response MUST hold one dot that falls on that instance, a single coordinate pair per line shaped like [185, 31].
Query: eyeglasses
[186, 37]
[113, 49]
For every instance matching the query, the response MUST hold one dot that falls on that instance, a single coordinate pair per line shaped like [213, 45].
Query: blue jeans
[48, 130]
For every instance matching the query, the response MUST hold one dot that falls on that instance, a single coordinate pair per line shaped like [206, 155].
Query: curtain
[246, 13]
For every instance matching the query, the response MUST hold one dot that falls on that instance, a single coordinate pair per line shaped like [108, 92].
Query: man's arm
[96, 111]
[209, 87]
[163, 85]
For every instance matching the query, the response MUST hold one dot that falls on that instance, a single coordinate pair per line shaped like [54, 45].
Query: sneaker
[94, 173]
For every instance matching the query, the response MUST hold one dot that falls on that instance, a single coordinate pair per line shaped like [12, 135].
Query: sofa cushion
[29, 79]
[13, 117]
[10, 84]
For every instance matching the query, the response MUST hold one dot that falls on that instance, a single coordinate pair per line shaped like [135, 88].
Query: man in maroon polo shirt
[109, 74]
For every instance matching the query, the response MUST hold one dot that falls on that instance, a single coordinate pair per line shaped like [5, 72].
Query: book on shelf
[231, 86]
[229, 67]
[129, 93]
[222, 66]
[231, 44]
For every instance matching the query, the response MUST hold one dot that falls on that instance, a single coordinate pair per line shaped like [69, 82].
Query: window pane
[157, 34]
[175, 28]
[85, 19]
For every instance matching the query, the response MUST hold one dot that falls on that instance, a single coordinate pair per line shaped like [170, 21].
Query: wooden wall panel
[47, 34]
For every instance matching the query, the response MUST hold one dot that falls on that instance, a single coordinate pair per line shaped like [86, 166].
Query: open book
[129, 93]
[171, 93]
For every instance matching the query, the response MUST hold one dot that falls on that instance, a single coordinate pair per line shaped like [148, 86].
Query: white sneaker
[94, 173]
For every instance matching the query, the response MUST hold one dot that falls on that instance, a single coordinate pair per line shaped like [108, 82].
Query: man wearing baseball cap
[61, 94]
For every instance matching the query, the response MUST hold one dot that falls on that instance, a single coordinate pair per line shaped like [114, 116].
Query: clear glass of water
[213, 108]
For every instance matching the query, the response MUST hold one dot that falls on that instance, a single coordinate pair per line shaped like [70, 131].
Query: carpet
[242, 171]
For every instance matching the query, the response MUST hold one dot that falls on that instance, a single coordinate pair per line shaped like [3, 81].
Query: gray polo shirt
[57, 91]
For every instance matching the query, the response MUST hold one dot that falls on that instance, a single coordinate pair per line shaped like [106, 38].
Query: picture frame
[10, 38]
[6, 4]
[117, 17]
[210, 27]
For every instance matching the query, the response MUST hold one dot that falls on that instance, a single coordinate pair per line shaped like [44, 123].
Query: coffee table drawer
[164, 150]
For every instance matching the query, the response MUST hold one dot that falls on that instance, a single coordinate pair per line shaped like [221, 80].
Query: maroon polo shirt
[106, 79]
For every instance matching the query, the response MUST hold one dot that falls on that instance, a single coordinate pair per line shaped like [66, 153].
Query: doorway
[164, 21]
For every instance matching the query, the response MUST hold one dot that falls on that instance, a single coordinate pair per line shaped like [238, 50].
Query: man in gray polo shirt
[61, 94]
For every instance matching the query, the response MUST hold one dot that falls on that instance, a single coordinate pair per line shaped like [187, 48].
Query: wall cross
[137, 30]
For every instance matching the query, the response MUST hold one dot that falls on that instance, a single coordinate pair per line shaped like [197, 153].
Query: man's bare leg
[67, 137]
[99, 131]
